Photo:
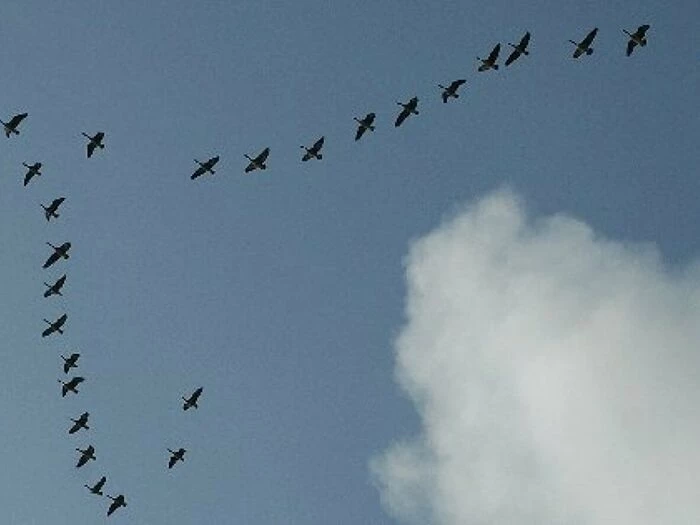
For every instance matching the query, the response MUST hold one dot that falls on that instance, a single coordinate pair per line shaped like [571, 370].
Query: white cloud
[556, 374]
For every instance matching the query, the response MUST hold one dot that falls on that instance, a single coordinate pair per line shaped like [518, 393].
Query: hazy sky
[378, 334]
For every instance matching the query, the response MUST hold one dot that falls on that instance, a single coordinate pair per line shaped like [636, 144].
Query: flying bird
[81, 422]
[55, 288]
[451, 90]
[490, 62]
[70, 362]
[95, 142]
[56, 326]
[51, 209]
[117, 502]
[85, 456]
[97, 487]
[409, 108]
[11, 125]
[32, 170]
[638, 38]
[177, 455]
[59, 252]
[71, 385]
[365, 124]
[520, 49]
[257, 163]
[204, 167]
[192, 401]
[314, 152]
[584, 46]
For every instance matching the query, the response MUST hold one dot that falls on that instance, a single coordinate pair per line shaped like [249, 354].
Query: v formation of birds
[258, 162]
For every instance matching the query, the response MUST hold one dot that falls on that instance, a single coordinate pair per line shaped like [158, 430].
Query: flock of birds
[71, 361]
[584, 47]
[258, 162]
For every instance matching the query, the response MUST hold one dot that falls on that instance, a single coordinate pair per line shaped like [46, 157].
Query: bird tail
[319, 156]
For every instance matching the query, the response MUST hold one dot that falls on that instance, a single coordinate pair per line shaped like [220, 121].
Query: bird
[59, 252]
[451, 90]
[257, 163]
[85, 456]
[409, 108]
[204, 167]
[314, 152]
[117, 502]
[79, 423]
[32, 170]
[638, 38]
[70, 362]
[520, 49]
[55, 288]
[95, 142]
[490, 62]
[51, 209]
[585, 45]
[192, 401]
[177, 455]
[11, 125]
[71, 385]
[97, 487]
[365, 124]
[56, 326]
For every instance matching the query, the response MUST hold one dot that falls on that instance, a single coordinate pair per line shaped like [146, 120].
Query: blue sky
[281, 293]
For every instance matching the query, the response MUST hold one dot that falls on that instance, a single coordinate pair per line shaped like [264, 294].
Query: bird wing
[455, 84]
[525, 40]
[82, 460]
[61, 320]
[52, 259]
[369, 119]
[56, 203]
[512, 57]
[98, 486]
[90, 149]
[75, 381]
[14, 121]
[99, 136]
[493, 56]
[212, 162]
[250, 167]
[48, 331]
[360, 131]
[402, 116]
[263, 156]
[198, 172]
[172, 461]
[28, 177]
[631, 44]
[195, 395]
[641, 30]
[318, 145]
[589, 38]
[59, 284]
[76, 426]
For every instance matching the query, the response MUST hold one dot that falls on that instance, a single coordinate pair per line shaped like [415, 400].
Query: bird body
[192, 401]
[85, 456]
[32, 170]
[314, 152]
[584, 46]
[59, 252]
[409, 108]
[365, 124]
[95, 142]
[56, 326]
[451, 90]
[71, 385]
[520, 49]
[55, 288]
[12, 124]
[176, 455]
[205, 167]
[258, 162]
[490, 62]
[638, 38]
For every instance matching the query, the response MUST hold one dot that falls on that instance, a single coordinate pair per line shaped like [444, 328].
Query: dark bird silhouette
[409, 108]
[520, 49]
[490, 62]
[451, 90]
[365, 124]
[95, 142]
[71, 385]
[51, 209]
[584, 46]
[59, 252]
[192, 401]
[56, 326]
[204, 167]
[97, 487]
[81, 422]
[257, 163]
[314, 152]
[85, 456]
[177, 455]
[11, 125]
[638, 38]
[32, 170]
[117, 502]
[55, 288]
[70, 362]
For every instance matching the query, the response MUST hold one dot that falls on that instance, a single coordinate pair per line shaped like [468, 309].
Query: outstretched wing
[456, 83]
[250, 167]
[586, 42]
[318, 145]
[98, 486]
[90, 149]
[360, 131]
[631, 44]
[641, 30]
[512, 57]
[76, 426]
[14, 121]
[56, 203]
[493, 56]
[405, 112]
[525, 40]
[262, 157]
[52, 259]
[83, 459]
[197, 173]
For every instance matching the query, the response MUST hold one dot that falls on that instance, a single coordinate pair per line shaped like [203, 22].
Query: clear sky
[282, 292]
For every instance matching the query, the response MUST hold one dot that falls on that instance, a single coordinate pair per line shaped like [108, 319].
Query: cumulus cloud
[556, 375]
